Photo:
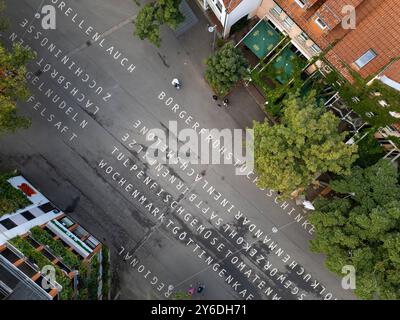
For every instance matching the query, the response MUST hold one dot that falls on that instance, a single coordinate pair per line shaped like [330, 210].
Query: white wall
[24, 226]
[245, 8]
[220, 15]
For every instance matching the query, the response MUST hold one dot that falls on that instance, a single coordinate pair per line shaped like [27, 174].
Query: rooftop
[14, 285]
[231, 5]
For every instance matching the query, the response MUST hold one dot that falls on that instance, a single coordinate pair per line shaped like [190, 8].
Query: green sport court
[284, 63]
[262, 39]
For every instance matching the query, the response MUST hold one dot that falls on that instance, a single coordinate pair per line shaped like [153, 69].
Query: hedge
[30, 252]
[43, 237]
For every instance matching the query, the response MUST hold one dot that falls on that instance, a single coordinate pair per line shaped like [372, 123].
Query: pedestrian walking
[200, 288]
[215, 97]
[191, 290]
[226, 102]
[176, 83]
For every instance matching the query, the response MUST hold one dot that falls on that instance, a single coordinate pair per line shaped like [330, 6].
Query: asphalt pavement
[98, 122]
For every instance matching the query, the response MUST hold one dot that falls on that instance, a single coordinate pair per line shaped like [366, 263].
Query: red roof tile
[377, 29]
[230, 5]
[393, 71]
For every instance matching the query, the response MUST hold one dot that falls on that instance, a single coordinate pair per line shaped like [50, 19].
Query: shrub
[38, 258]
[55, 246]
[225, 68]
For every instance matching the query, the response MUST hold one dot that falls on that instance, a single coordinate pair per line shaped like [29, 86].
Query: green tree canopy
[155, 14]
[363, 230]
[13, 87]
[167, 11]
[147, 25]
[289, 155]
[225, 68]
[369, 151]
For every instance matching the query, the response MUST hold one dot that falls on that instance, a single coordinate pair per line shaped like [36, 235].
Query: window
[8, 224]
[90, 244]
[288, 22]
[321, 23]
[277, 9]
[315, 48]
[67, 222]
[218, 5]
[80, 232]
[27, 215]
[47, 207]
[301, 3]
[365, 58]
[303, 36]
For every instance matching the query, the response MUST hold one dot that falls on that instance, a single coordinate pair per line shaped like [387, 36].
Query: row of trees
[360, 224]
[361, 227]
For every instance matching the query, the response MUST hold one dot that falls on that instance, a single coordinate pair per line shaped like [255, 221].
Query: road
[88, 108]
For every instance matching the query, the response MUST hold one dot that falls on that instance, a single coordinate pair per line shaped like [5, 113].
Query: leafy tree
[13, 87]
[363, 230]
[167, 11]
[155, 14]
[225, 68]
[369, 151]
[147, 26]
[289, 155]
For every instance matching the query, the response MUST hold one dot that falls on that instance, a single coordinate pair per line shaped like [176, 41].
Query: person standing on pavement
[216, 99]
[191, 290]
[200, 287]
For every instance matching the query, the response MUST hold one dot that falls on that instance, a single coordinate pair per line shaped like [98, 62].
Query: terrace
[29, 257]
[262, 39]
[273, 77]
[277, 64]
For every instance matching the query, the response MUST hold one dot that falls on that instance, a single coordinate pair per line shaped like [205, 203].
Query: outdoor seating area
[279, 70]
[286, 63]
[262, 39]
[275, 62]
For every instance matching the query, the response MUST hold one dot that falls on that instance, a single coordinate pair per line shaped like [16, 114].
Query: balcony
[70, 238]
[391, 149]
[288, 27]
[10, 255]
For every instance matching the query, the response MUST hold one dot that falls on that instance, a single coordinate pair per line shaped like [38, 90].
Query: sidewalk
[197, 42]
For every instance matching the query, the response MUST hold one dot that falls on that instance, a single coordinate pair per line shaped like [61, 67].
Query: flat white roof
[36, 198]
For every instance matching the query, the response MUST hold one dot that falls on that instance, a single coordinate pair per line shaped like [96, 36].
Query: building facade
[228, 12]
[370, 46]
[45, 234]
